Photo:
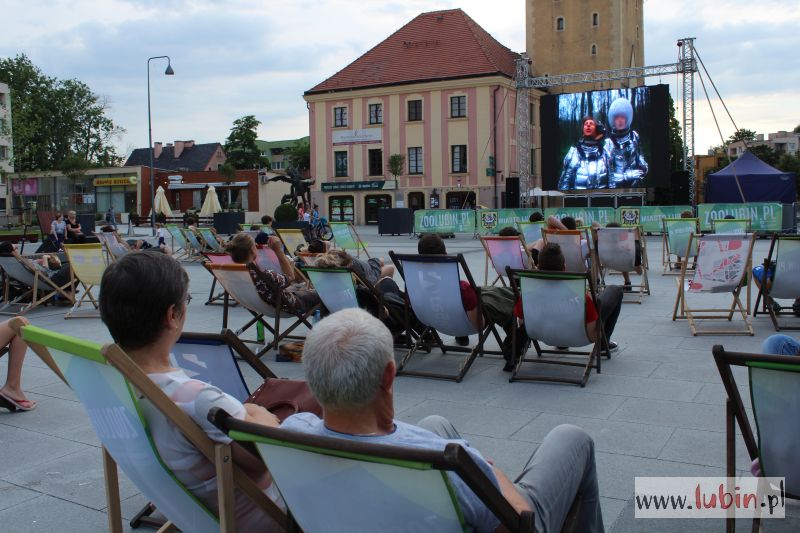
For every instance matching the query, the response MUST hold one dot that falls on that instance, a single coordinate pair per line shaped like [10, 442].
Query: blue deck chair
[39, 289]
[554, 313]
[196, 248]
[784, 252]
[346, 237]
[675, 242]
[87, 264]
[615, 251]
[337, 485]
[181, 248]
[774, 383]
[210, 239]
[109, 386]
[434, 294]
[115, 247]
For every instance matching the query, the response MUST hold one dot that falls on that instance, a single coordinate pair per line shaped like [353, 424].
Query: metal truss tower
[685, 67]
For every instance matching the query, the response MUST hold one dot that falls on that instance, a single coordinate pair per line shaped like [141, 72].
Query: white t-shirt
[196, 398]
[307, 217]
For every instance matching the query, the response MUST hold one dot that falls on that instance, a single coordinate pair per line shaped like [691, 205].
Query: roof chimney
[188, 144]
[178, 149]
[157, 147]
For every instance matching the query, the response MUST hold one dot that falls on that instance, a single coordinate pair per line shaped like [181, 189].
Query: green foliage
[765, 153]
[240, 146]
[285, 213]
[227, 171]
[675, 139]
[74, 166]
[796, 129]
[54, 119]
[396, 164]
[299, 155]
[742, 135]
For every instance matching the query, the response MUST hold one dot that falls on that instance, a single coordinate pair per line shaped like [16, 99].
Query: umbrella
[161, 204]
[211, 203]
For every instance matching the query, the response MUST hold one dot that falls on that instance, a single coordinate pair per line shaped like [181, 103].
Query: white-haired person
[349, 364]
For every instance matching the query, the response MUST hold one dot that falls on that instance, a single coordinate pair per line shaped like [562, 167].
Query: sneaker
[627, 288]
[612, 347]
[462, 341]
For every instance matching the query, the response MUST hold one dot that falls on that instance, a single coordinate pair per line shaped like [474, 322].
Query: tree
[765, 153]
[797, 129]
[675, 139]
[299, 155]
[742, 135]
[240, 146]
[227, 171]
[54, 119]
[396, 164]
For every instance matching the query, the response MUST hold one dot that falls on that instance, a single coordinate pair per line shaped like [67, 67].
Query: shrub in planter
[285, 213]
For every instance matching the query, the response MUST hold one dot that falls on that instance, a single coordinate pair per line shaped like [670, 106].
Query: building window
[376, 113]
[595, 19]
[414, 110]
[277, 165]
[375, 162]
[531, 116]
[3, 126]
[560, 24]
[340, 164]
[415, 160]
[458, 156]
[2, 99]
[458, 106]
[533, 161]
[594, 49]
[339, 117]
[3, 152]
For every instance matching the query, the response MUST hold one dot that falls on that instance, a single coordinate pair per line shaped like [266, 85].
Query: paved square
[657, 409]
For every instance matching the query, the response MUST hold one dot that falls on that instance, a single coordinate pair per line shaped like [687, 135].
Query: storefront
[341, 209]
[348, 197]
[190, 196]
[372, 203]
[416, 200]
[119, 193]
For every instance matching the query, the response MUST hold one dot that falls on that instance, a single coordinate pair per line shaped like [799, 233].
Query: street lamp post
[167, 72]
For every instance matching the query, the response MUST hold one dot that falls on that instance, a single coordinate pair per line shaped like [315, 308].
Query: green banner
[444, 221]
[491, 221]
[764, 216]
[603, 215]
[649, 217]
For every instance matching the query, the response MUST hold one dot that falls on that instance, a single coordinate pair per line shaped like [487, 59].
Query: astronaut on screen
[626, 164]
[586, 165]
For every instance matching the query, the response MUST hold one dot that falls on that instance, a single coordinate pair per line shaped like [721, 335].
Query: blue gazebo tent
[759, 182]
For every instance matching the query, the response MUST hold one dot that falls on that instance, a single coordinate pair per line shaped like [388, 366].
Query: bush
[285, 213]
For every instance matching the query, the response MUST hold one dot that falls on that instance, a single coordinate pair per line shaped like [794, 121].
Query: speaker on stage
[576, 201]
[512, 192]
[679, 186]
[603, 201]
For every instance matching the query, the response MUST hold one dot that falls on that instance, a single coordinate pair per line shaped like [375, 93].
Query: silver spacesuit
[626, 164]
[585, 167]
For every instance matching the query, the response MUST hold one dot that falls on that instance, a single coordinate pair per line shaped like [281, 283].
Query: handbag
[285, 397]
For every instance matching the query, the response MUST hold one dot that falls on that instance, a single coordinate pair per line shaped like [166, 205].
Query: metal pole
[150, 141]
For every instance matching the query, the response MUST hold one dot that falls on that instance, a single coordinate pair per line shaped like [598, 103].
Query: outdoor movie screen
[613, 139]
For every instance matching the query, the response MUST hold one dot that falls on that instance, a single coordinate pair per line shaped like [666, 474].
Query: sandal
[13, 405]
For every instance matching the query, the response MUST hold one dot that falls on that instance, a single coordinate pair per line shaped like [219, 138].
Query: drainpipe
[494, 141]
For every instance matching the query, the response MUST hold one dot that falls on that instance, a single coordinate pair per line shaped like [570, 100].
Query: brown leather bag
[285, 397]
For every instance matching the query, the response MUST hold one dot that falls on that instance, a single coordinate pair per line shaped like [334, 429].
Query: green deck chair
[180, 246]
[338, 485]
[675, 241]
[784, 252]
[196, 248]
[531, 231]
[774, 382]
[211, 241]
[346, 238]
[730, 225]
[110, 387]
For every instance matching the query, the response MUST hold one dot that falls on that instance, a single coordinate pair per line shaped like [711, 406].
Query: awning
[217, 184]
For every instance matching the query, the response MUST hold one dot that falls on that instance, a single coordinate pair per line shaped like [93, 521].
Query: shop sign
[374, 185]
[106, 182]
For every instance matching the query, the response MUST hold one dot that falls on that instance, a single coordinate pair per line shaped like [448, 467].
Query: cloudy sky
[239, 57]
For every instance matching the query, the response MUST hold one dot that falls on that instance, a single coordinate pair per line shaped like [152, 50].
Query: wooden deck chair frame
[196, 248]
[289, 239]
[40, 288]
[214, 298]
[354, 236]
[110, 241]
[735, 412]
[764, 298]
[594, 359]
[666, 252]
[87, 280]
[602, 270]
[219, 455]
[683, 311]
[454, 458]
[182, 250]
[527, 237]
[258, 315]
[580, 234]
[483, 333]
[210, 240]
[745, 223]
[308, 258]
[500, 270]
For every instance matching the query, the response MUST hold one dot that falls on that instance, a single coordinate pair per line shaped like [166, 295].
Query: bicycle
[319, 229]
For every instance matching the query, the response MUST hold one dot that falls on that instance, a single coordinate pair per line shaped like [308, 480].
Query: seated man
[609, 302]
[536, 216]
[553, 222]
[349, 364]
[637, 262]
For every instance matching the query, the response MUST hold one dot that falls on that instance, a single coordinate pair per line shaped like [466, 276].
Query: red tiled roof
[433, 46]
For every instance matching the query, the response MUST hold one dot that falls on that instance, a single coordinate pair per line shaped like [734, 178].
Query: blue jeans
[781, 345]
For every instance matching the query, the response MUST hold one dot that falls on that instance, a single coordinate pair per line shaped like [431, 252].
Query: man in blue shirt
[349, 364]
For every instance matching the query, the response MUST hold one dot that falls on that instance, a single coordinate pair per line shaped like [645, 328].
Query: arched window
[594, 49]
[560, 24]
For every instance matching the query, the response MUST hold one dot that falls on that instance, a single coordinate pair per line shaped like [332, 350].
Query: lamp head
[169, 71]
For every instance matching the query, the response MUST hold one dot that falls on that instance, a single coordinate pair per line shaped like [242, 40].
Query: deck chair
[674, 241]
[434, 294]
[210, 240]
[215, 298]
[554, 311]
[39, 289]
[308, 258]
[196, 248]
[531, 231]
[774, 382]
[86, 265]
[181, 249]
[115, 247]
[615, 251]
[730, 225]
[784, 252]
[238, 284]
[109, 385]
[346, 237]
[570, 243]
[504, 252]
[370, 487]
[293, 240]
[721, 267]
